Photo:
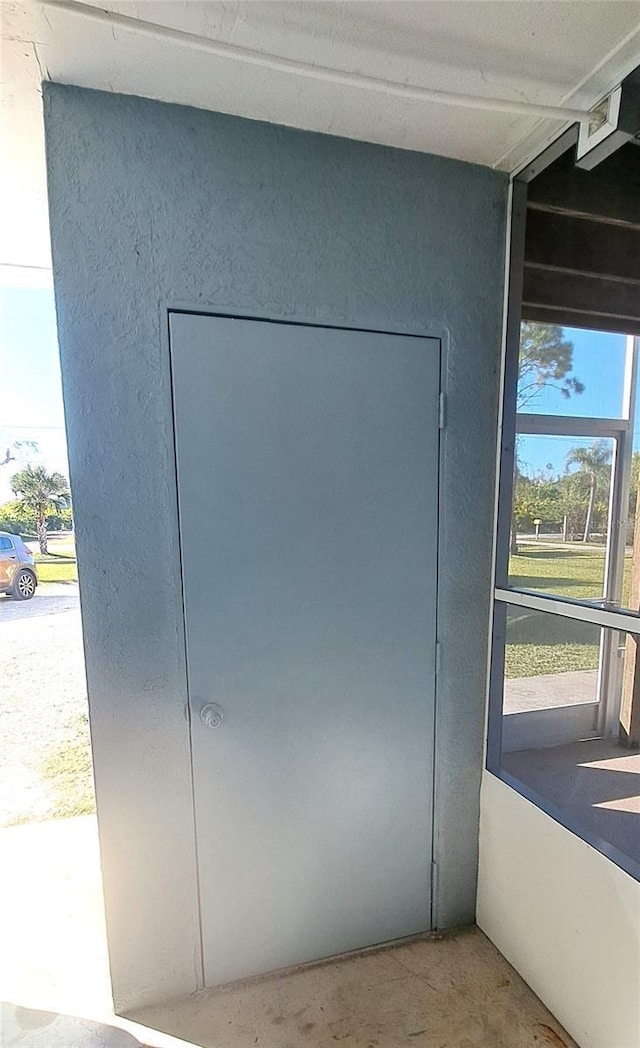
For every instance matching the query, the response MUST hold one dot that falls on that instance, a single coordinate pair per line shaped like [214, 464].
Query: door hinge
[438, 657]
[442, 411]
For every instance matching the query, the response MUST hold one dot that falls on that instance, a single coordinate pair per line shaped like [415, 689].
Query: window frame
[615, 619]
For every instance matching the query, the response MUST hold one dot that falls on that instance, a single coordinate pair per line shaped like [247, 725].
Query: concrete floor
[450, 992]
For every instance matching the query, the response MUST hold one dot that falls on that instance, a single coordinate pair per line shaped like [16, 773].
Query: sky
[31, 402]
[32, 394]
[599, 363]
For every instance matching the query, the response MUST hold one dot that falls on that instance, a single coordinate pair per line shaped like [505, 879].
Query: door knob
[211, 715]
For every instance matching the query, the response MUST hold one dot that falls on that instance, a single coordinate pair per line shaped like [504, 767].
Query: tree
[41, 492]
[16, 519]
[546, 359]
[593, 463]
[536, 497]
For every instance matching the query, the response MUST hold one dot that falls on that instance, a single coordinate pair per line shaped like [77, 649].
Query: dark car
[17, 572]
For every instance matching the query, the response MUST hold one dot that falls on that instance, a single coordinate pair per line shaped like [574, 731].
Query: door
[307, 466]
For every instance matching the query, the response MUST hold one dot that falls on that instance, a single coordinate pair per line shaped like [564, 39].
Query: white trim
[622, 621]
[592, 135]
[570, 425]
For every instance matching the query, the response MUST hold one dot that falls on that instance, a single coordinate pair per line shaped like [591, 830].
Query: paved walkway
[54, 970]
[550, 690]
[43, 695]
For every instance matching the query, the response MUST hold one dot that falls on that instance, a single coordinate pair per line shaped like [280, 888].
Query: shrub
[18, 520]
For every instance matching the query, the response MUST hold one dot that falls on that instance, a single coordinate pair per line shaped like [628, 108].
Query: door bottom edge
[321, 962]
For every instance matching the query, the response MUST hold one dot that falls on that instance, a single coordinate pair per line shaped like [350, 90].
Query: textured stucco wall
[153, 204]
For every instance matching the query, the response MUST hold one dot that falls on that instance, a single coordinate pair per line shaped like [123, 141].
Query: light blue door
[307, 462]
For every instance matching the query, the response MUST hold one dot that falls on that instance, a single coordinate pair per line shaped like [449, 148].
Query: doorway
[54, 939]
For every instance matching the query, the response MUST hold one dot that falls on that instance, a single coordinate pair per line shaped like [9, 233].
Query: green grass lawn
[59, 564]
[61, 545]
[66, 768]
[56, 568]
[539, 643]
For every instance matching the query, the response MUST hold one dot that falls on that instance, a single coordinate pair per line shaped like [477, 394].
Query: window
[564, 704]
[5, 543]
[562, 501]
[564, 720]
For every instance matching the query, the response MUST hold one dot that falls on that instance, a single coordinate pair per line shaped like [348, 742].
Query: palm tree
[592, 462]
[40, 492]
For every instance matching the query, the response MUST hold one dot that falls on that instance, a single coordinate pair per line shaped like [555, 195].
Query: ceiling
[558, 52]
[582, 244]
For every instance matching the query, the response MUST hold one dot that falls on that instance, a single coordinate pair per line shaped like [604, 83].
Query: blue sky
[598, 362]
[32, 394]
[31, 388]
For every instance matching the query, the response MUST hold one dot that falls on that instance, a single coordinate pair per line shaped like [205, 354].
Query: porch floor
[451, 992]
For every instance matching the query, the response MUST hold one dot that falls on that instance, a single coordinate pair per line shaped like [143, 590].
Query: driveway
[43, 705]
[50, 599]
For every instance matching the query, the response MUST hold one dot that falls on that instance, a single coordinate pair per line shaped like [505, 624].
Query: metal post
[608, 671]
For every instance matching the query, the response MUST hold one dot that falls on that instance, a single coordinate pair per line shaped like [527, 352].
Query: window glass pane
[560, 517]
[549, 661]
[569, 371]
[570, 724]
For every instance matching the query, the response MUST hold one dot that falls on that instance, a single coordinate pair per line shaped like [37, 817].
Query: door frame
[166, 309]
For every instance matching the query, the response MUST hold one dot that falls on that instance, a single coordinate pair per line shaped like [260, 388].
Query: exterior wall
[565, 916]
[155, 205]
